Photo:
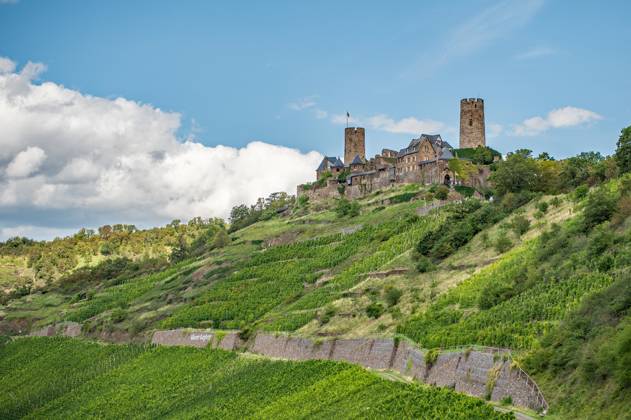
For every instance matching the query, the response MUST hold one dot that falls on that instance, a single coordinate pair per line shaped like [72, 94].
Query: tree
[519, 172]
[623, 151]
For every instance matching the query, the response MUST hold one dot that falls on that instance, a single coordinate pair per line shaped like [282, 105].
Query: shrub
[374, 310]
[441, 192]
[303, 200]
[118, 315]
[502, 243]
[393, 295]
[424, 264]
[346, 208]
[555, 202]
[542, 206]
[431, 356]
[402, 198]
[580, 192]
[507, 400]
[520, 225]
[599, 208]
[464, 190]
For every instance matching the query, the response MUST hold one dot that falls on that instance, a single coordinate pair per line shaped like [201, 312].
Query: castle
[425, 160]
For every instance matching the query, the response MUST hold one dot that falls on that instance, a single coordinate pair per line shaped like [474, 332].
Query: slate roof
[357, 160]
[434, 139]
[330, 162]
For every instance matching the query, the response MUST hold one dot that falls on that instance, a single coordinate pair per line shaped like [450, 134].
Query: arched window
[470, 123]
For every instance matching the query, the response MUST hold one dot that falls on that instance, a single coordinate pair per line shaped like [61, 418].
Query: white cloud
[76, 155]
[304, 103]
[535, 52]
[408, 125]
[6, 65]
[8, 1]
[494, 130]
[26, 162]
[562, 117]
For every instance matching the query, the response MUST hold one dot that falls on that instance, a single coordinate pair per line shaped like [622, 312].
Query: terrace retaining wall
[480, 373]
[485, 373]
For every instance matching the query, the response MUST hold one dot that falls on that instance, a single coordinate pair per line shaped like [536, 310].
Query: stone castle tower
[354, 144]
[472, 123]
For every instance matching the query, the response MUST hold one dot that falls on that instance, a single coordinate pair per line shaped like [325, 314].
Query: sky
[142, 112]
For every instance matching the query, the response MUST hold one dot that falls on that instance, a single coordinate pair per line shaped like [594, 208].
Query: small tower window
[470, 123]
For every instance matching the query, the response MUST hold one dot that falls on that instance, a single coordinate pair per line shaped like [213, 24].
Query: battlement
[471, 100]
[354, 129]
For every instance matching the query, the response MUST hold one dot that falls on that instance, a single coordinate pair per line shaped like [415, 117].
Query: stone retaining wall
[67, 329]
[480, 373]
[477, 373]
[197, 338]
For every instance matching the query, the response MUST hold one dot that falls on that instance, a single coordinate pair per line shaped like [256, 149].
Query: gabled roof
[357, 160]
[330, 162]
[438, 144]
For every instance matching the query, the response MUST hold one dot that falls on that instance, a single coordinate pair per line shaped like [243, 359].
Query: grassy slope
[65, 378]
[281, 288]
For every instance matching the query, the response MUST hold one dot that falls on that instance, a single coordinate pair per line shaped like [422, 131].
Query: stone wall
[473, 372]
[197, 338]
[67, 329]
[480, 373]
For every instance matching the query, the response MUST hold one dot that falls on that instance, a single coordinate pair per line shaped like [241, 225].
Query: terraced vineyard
[64, 378]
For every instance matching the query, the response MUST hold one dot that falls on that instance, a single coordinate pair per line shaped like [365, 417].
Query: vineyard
[65, 378]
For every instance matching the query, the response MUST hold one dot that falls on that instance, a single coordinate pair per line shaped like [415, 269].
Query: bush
[580, 192]
[520, 225]
[424, 264]
[442, 192]
[502, 243]
[542, 206]
[555, 202]
[374, 310]
[402, 198]
[118, 315]
[346, 208]
[393, 295]
[599, 208]
[464, 190]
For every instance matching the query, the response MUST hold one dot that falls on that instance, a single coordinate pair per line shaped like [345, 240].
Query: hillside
[543, 271]
[65, 378]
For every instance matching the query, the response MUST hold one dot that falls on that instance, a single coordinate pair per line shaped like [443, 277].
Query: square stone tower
[472, 123]
[354, 144]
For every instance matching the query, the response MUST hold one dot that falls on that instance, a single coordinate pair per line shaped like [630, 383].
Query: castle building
[472, 132]
[425, 160]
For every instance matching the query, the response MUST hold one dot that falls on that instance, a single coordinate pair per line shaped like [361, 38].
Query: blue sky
[144, 111]
[234, 67]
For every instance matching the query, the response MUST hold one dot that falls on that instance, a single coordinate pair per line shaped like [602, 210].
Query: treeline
[51, 260]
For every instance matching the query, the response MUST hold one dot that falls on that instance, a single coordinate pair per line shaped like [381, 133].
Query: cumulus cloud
[408, 125]
[6, 65]
[26, 162]
[562, 117]
[76, 155]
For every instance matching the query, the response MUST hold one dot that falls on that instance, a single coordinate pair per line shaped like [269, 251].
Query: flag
[348, 115]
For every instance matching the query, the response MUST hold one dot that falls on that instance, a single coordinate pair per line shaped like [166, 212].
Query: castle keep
[472, 123]
[424, 160]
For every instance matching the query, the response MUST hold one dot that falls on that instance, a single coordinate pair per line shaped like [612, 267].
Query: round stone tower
[472, 123]
[354, 144]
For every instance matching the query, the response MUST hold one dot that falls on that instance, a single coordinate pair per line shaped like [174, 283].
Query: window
[470, 123]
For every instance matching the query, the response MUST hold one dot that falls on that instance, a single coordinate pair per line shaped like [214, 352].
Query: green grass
[63, 378]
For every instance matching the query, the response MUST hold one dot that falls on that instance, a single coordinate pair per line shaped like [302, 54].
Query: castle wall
[472, 129]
